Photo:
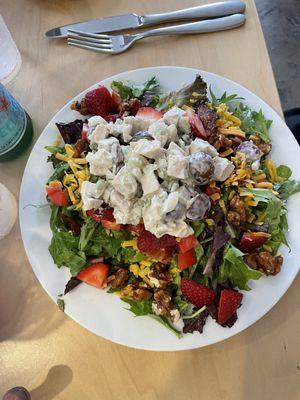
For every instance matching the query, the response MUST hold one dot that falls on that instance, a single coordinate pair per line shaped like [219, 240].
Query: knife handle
[209, 25]
[206, 11]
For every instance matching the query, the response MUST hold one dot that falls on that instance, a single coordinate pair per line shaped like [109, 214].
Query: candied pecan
[118, 278]
[129, 107]
[269, 264]
[141, 294]
[79, 147]
[255, 138]
[135, 292]
[236, 141]
[264, 262]
[234, 218]
[126, 291]
[265, 148]
[159, 276]
[163, 297]
[220, 141]
[80, 107]
[162, 305]
[236, 202]
[237, 215]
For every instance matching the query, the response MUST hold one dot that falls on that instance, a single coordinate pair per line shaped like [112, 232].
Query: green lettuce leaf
[215, 101]
[183, 96]
[61, 304]
[143, 308]
[86, 233]
[133, 90]
[59, 171]
[198, 227]
[253, 121]
[284, 172]
[235, 269]
[275, 216]
[64, 251]
[287, 188]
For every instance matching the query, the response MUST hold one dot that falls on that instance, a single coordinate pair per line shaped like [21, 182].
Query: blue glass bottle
[16, 131]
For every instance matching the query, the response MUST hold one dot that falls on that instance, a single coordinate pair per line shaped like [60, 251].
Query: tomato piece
[57, 195]
[137, 229]
[94, 274]
[187, 259]
[84, 131]
[252, 240]
[113, 226]
[187, 243]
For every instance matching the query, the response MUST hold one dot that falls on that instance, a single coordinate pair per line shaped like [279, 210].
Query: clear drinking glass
[10, 58]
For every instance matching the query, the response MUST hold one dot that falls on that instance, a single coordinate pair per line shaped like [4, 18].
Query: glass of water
[10, 58]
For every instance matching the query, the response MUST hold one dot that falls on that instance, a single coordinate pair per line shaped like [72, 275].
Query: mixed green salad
[168, 200]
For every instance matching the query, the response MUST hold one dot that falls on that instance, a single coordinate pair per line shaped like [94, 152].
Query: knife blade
[108, 24]
[132, 21]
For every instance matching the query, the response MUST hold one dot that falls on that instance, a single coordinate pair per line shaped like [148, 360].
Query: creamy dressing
[151, 177]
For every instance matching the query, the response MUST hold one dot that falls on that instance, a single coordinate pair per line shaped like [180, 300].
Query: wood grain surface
[46, 351]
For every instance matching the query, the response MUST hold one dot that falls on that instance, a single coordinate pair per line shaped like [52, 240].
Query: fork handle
[211, 25]
[206, 11]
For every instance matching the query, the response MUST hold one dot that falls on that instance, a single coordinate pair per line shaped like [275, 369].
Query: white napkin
[8, 211]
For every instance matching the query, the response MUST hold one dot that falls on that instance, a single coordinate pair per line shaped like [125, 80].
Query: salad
[168, 200]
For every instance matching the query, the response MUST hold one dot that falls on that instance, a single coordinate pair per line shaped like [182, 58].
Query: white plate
[105, 314]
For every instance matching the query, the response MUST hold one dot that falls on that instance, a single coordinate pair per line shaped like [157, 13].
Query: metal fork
[114, 44]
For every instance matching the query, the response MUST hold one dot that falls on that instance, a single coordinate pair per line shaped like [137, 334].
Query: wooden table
[46, 351]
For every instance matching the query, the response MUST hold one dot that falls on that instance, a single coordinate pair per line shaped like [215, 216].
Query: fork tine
[91, 48]
[87, 43]
[88, 39]
[90, 35]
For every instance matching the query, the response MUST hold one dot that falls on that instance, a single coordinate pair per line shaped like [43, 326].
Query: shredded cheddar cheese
[130, 243]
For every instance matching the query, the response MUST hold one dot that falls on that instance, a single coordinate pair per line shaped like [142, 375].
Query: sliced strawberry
[99, 215]
[94, 274]
[196, 124]
[150, 244]
[195, 293]
[252, 240]
[137, 229]
[96, 215]
[187, 259]
[111, 118]
[84, 132]
[229, 302]
[187, 243]
[98, 101]
[108, 214]
[147, 242]
[149, 113]
[57, 194]
[167, 241]
[115, 101]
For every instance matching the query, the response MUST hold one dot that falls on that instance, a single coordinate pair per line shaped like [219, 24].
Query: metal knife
[132, 21]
